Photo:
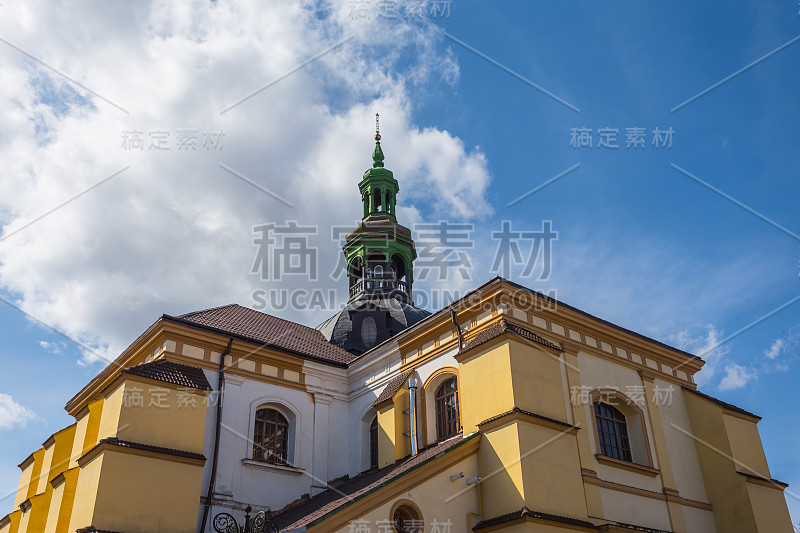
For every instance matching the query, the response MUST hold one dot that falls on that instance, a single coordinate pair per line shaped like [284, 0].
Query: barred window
[373, 443]
[271, 437]
[407, 520]
[448, 422]
[612, 432]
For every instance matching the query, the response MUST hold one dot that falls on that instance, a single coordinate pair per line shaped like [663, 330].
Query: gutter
[217, 427]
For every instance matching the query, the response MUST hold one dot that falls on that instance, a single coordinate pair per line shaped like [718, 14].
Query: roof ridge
[170, 372]
[249, 309]
[193, 313]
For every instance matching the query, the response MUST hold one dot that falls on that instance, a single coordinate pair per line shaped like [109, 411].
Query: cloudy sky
[142, 143]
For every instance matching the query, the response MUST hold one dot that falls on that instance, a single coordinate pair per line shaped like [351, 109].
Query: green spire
[377, 154]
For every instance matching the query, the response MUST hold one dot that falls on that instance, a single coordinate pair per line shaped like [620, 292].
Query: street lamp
[260, 523]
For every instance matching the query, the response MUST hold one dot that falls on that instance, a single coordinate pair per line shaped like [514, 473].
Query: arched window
[369, 332]
[612, 432]
[406, 519]
[448, 422]
[373, 443]
[270, 437]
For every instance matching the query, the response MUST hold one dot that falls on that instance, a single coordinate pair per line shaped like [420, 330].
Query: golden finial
[377, 127]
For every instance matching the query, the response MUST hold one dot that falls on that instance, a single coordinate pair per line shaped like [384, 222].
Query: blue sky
[640, 243]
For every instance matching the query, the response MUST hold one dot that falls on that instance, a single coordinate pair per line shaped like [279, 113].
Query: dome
[368, 320]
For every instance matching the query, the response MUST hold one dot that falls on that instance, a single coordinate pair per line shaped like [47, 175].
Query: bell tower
[380, 252]
[380, 257]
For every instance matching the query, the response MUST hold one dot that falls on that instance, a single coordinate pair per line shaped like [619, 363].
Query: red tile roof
[501, 327]
[260, 328]
[391, 387]
[114, 441]
[527, 513]
[339, 496]
[169, 372]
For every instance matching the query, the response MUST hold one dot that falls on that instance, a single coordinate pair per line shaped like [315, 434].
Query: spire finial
[377, 155]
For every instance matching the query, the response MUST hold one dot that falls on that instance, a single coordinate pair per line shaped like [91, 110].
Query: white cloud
[775, 350]
[53, 347]
[707, 346]
[13, 414]
[736, 377]
[173, 233]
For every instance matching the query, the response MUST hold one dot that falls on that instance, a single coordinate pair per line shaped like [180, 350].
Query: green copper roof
[377, 155]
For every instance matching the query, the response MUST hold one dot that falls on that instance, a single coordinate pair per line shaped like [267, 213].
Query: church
[506, 410]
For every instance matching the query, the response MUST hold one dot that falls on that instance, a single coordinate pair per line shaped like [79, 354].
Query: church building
[506, 410]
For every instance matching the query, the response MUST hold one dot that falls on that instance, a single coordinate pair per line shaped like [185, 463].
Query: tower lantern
[380, 256]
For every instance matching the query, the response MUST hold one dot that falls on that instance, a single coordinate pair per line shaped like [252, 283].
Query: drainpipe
[458, 330]
[412, 410]
[218, 426]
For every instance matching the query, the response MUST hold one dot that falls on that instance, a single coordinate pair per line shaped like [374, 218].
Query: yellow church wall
[85, 494]
[736, 508]
[386, 435]
[81, 424]
[746, 447]
[93, 425]
[427, 490]
[162, 414]
[770, 510]
[682, 450]
[486, 368]
[499, 453]
[37, 515]
[551, 471]
[144, 494]
[54, 509]
[36, 471]
[62, 449]
[23, 521]
[533, 526]
[24, 481]
[109, 424]
[10, 524]
[633, 509]
[537, 380]
[402, 443]
[68, 500]
[47, 460]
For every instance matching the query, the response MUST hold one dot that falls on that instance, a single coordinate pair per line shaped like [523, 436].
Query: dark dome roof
[339, 328]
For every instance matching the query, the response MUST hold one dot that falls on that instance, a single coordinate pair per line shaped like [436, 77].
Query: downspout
[412, 410]
[458, 330]
[218, 426]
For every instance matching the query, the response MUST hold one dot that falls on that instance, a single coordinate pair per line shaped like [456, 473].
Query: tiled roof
[527, 513]
[391, 387]
[527, 413]
[261, 328]
[150, 448]
[501, 327]
[724, 405]
[336, 498]
[169, 372]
